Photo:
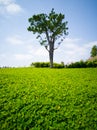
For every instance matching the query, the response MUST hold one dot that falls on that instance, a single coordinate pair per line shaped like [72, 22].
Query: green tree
[50, 30]
[94, 51]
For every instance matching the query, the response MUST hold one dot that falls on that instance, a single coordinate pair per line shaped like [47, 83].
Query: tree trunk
[51, 53]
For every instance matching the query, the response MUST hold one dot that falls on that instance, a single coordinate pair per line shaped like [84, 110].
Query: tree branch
[47, 35]
[56, 47]
[58, 44]
[46, 47]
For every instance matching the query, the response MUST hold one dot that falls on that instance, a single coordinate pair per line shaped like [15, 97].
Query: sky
[19, 47]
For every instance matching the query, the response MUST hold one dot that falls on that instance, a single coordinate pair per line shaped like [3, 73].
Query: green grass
[48, 99]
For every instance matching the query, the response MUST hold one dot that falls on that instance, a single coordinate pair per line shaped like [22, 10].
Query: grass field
[48, 99]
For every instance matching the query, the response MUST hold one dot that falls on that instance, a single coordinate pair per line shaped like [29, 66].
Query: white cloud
[15, 40]
[73, 50]
[10, 7]
[2, 56]
[91, 44]
[71, 40]
[5, 2]
[9, 59]
[23, 56]
[41, 51]
[13, 8]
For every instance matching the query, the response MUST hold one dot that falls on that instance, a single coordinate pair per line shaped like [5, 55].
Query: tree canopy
[94, 51]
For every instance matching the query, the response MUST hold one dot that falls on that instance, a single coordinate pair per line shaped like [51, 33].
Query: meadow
[48, 99]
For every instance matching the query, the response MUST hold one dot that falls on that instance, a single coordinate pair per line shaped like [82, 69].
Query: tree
[94, 51]
[50, 30]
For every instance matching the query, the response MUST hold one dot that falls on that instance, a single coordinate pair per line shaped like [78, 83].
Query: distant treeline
[82, 64]
[79, 64]
[6, 67]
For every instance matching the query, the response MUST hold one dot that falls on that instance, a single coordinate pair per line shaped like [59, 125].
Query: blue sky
[18, 47]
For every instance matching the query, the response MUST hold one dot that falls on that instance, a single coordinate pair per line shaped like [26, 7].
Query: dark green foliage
[82, 64]
[57, 65]
[48, 99]
[46, 65]
[94, 51]
[51, 24]
[79, 64]
[40, 64]
[91, 63]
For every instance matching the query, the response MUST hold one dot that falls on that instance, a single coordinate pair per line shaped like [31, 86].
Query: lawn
[48, 99]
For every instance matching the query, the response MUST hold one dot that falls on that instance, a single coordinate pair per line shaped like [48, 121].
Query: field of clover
[48, 99]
